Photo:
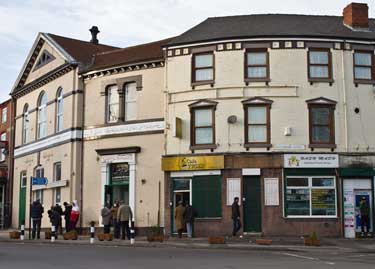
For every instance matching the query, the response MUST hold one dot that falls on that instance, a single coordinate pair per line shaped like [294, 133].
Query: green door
[22, 202]
[252, 206]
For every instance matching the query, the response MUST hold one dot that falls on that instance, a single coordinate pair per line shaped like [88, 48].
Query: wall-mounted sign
[190, 163]
[311, 161]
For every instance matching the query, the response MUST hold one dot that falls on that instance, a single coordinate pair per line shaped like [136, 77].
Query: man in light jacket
[106, 218]
[124, 215]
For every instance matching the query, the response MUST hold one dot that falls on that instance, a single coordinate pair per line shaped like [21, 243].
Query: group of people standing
[119, 216]
[70, 213]
[184, 218]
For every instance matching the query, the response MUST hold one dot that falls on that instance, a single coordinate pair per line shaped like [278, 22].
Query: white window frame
[25, 127]
[23, 177]
[310, 187]
[111, 103]
[128, 101]
[42, 109]
[4, 115]
[60, 114]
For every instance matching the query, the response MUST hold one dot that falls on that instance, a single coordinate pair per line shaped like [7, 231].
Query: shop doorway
[118, 187]
[22, 201]
[252, 205]
[181, 193]
[358, 194]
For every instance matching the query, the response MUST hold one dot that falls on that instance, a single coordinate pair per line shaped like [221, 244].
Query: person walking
[124, 215]
[179, 218]
[74, 216]
[365, 212]
[37, 211]
[236, 216]
[189, 216]
[66, 213]
[106, 218]
[116, 222]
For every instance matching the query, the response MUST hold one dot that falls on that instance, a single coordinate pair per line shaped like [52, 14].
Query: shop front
[194, 180]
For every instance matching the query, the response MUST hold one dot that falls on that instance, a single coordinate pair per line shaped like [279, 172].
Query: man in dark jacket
[54, 218]
[60, 211]
[236, 216]
[365, 212]
[66, 213]
[189, 216]
[37, 211]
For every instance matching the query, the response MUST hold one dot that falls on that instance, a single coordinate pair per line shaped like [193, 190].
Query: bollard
[132, 236]
[92, 234]
[53, 233]
[22, 237]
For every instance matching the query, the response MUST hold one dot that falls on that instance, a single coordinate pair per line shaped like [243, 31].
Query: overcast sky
[124, 22]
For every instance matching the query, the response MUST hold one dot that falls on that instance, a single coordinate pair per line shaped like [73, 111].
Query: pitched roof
[81, 51]
[272, 25]
[135, 54]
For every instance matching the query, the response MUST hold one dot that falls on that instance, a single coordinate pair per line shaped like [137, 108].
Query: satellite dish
[232, 119]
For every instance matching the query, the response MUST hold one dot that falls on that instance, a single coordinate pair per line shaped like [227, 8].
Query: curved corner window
[42, 116]
[25, 124]
[59, 110]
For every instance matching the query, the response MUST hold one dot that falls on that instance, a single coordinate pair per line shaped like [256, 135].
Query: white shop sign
[311, 161]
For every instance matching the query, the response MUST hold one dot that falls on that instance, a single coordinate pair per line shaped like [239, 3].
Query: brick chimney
[94, 33]
[356, 15]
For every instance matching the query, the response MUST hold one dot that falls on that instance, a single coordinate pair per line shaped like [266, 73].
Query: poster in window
[120, 173]
[323, 202]
[271, 191]
[233, 190]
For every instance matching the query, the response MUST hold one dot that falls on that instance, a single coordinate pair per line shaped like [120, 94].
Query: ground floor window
[310, 196]
[206, 196]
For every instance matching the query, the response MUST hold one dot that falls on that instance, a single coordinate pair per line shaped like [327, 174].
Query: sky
[124, 23]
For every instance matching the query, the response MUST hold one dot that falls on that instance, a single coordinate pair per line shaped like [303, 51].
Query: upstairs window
[112, 104]
[257, 65]
[3, 137]
[322, 122]
[57, 171]
[59, 110]
[42, 116]
[319, 65]
[363, 66]
[203, 68]
[25, 124]
[130, 101]
[4, 115]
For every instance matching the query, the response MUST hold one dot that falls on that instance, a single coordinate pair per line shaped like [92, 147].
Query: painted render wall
[289, 89]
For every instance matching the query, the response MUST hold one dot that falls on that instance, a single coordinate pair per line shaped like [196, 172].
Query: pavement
[292, 244]
[42, 255]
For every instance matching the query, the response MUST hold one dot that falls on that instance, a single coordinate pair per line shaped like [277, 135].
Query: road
[43, 256]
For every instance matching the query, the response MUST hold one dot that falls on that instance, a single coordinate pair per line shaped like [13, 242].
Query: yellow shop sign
[189, 163]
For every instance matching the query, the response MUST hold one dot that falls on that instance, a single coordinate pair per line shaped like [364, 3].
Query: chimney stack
[94, 32]
[356, 15]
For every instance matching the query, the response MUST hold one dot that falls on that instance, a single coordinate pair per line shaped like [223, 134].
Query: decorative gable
[321, 101]
[203, 103]
[257, 101]
[44, 59]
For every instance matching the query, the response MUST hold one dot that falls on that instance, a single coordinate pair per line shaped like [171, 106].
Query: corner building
[274, 109]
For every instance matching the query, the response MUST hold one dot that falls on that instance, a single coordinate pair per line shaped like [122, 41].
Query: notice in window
[323, 202]
[233, 190]
[271, 191]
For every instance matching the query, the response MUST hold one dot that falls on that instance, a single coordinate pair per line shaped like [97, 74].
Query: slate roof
[135, 54]
[272, 25]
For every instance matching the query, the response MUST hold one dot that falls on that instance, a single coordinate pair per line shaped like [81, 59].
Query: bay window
[310, 196]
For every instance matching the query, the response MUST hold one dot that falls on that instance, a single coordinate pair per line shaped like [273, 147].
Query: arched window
[25, 124]
[59, 110]
[42, 115]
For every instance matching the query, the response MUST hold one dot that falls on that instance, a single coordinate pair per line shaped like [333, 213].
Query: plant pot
[100, 237]
[108, 237]
[73, 235]
[307, 241]
[47, 235]
[155, 238]
[264, 242]
[315, 243]
[216, 239]
[14, 235]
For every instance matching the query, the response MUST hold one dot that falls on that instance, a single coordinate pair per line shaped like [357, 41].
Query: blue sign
[39, 180]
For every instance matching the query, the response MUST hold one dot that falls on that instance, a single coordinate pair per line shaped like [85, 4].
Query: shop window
[203, 68]
[363, 65]
[319, 65]
[112, 106]
[310, 197]
[257, 65]
[206, 192]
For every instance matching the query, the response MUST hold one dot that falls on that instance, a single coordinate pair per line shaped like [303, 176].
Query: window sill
[200, 83]
[257, 145]
[364, 81]
[248, 80]
[51, 185]
[211, 147]
[323, 80]
[329, 146]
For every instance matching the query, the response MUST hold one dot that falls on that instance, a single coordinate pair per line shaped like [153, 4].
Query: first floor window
[203, 126]
[130, 101]
[322, 124]
[4, 115]
[319, 64]
[112, 103]
[3, 137]
[257, 124]
[257, 64]
[57, 171]
[364, 65]
[203, 67]
[310, 196]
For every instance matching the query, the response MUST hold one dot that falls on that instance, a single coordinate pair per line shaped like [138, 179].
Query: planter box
[70, 236]
[47, 235]
[155, 238]
[100, 237]
[311, 242]
[14, 235]
[108, 237]
[216, 240]
[264, 242]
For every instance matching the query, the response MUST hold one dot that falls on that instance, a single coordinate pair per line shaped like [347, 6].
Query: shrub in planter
[216, 239]
[47, 235]
[108, 237]
[155, 234]
[101, 237]
[311, 240]
[14, 235]
[72, 235]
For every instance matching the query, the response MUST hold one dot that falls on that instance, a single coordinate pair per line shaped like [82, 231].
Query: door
[183, 197]
[252, 206]
[359, 194]
[22, 202]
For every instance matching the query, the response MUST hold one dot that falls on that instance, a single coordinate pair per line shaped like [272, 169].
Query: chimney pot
[94, 33]
[356, 15]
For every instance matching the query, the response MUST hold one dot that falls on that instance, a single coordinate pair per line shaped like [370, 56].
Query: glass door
[181, 193]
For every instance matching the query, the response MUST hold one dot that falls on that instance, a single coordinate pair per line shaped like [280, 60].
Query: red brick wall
[356, 15]
[273, 222]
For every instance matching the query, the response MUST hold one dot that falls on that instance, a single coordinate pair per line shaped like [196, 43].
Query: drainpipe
[13, 106]
[82, 151]
[344, 99]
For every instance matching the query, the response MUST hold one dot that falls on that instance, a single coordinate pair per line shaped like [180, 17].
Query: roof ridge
[79, 40]
[278, 14]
